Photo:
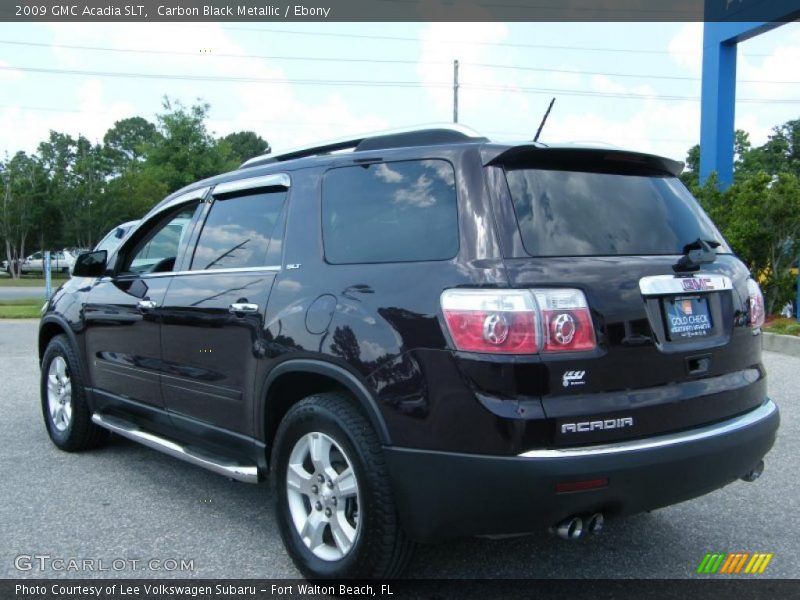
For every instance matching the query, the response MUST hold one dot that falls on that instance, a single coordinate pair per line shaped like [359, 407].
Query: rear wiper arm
[696, 253]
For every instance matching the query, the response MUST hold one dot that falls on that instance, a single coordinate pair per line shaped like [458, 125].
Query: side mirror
[90, 264]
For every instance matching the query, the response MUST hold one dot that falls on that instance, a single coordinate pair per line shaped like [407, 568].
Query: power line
[283, 123]
[229, 78]
[381, 84]
[371, 61]
[622, 95]
[225, 54]
[615, 74]
[399, 38]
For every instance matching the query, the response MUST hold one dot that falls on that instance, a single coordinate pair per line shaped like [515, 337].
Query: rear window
[390, 212]
[574, 213]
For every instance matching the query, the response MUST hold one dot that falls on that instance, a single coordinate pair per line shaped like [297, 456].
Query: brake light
[518, 321]
[566, 320]
[755, 304]
[498, 321]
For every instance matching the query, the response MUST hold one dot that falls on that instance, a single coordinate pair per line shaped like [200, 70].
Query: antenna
[544, 120]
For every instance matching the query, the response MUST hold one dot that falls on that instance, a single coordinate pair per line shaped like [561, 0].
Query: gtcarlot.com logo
[720, 563]
[47, 562]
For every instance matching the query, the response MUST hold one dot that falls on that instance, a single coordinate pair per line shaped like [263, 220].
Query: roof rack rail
[423, 135]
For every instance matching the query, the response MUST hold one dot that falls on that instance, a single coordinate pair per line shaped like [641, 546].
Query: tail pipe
[751, 476]
[594, 523]
[570, 528]
[576, 526]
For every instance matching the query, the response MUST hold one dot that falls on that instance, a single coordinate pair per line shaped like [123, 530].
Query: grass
[783, 326]
[30, 281]
[21, 308]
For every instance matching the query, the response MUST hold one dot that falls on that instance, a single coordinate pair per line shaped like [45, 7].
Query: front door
[213, 314]
[122, 312]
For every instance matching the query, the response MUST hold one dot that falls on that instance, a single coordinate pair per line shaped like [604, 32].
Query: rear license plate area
[687, 317]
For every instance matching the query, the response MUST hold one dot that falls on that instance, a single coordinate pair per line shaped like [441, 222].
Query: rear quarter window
[575, 213]
[390, 212]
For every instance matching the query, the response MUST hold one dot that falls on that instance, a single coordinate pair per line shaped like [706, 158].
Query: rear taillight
[566, 320]
[755, 303]
[518, 321]
[499, 321]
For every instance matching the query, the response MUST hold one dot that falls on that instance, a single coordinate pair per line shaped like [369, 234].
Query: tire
[367, 518]
[66, 413]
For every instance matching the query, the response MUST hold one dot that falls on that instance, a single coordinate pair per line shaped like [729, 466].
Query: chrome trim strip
[270, 269]
[281, 180]
[245, 473]
[662, 441]
[660, 285]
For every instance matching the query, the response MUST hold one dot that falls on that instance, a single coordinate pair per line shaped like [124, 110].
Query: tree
[185, 151]
[73, 190]
[760, 217]
[127, 141]
[77, 172]
[22, 182]
[245, 145]
[691, 175]
[780, 154]
[131, 195]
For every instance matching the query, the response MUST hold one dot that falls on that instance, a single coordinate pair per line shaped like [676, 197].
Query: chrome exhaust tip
[594, 523]
[570, 529]
[751, 476]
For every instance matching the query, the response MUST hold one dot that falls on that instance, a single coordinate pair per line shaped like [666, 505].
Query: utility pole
[455, 91]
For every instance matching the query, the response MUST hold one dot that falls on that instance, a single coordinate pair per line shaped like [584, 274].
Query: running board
[195, 456]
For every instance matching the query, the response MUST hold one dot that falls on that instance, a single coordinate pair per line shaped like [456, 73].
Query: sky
[630, 85]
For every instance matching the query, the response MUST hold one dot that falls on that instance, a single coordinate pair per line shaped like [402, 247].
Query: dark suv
[423, 335]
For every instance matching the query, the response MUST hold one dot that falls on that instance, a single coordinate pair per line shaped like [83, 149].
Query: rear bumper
[442, 495]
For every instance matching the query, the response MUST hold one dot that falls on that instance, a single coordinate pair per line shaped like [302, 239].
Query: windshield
[575, 213]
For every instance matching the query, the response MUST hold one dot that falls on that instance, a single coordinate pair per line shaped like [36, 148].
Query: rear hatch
[674, 345]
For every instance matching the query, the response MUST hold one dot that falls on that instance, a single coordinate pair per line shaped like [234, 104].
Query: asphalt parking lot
[132, 503]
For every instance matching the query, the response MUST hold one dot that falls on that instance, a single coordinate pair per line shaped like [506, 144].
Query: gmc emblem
[694, 284]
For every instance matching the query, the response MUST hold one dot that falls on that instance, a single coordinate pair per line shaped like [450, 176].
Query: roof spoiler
[603, 159]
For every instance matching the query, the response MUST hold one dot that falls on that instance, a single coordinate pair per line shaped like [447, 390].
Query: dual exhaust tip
[576, 526]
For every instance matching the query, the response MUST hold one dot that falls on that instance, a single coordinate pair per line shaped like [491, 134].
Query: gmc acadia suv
[423, 335]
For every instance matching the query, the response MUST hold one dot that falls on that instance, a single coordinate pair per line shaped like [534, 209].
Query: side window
[390, 212]
[37, 256]
[242, 232]
[157, 250]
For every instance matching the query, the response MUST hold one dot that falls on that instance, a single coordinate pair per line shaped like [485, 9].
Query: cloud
[686, 48]
[274, 109]
[23, 128]
[441, 43]
[8, 74]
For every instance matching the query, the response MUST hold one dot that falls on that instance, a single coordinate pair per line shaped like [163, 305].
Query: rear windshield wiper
[696, 253]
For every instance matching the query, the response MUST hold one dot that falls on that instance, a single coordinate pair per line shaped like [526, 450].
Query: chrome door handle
[242, 307]
[147, 304]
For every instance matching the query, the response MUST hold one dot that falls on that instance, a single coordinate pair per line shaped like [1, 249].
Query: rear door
[673, 349]
[213, 313]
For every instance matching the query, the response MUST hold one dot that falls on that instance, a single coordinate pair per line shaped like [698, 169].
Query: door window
[157, 250]
[242, 232]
